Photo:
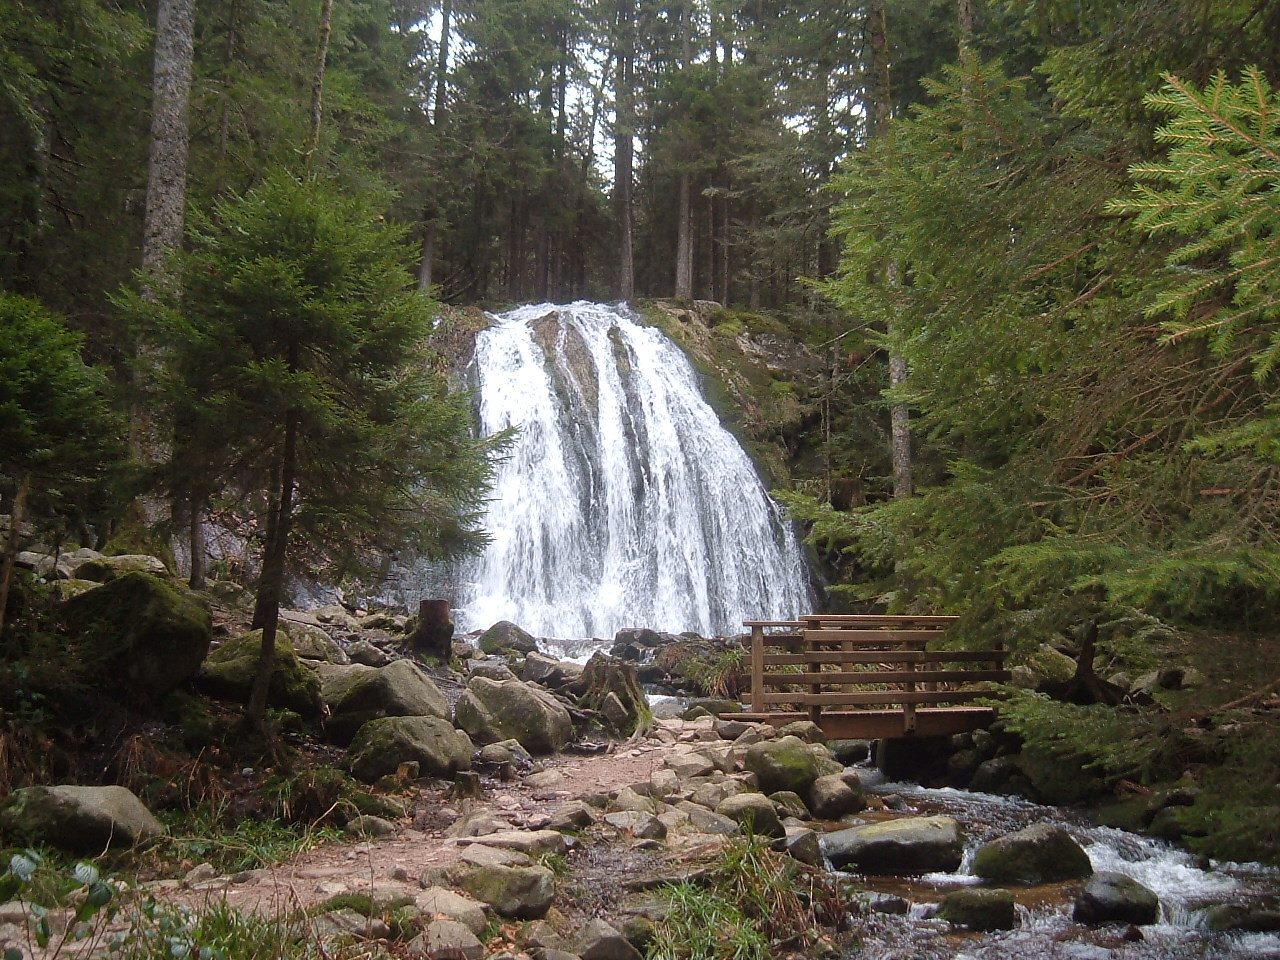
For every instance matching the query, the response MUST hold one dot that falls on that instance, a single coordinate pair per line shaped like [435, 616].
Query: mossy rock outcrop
[78, 819]
[1040, 853]
[783, 764]
[505, 636]
[103, 569]
[494, 710]
[381, 745]
[356, 694]
[139, 633]
[230, 669]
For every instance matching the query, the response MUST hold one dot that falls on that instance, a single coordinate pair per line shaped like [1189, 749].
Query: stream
[1185, 887]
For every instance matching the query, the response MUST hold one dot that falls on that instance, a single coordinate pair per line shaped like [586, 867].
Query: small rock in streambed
[979, 909]
[1115, 898]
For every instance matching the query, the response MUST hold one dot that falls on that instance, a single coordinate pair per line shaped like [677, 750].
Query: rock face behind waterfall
[623, 500]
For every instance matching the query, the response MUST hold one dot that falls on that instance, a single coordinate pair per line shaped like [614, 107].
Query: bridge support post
[757, 669]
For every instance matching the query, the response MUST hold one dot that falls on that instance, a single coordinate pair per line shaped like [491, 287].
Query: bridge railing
[861, 662]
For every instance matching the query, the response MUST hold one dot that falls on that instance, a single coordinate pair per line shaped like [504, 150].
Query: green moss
[231, 669]
[140, 633]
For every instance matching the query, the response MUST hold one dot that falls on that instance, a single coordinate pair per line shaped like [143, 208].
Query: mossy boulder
[505, 636]
[139, 634]
[522, 893]
[783, 764]
[104, 569]
[311, 642]
[753, 811]
[979, 909]
[1040, 853]
[357, 694]
[381, 745]
[1062, 779]
[1116, 898]
[494, 710]
[78, 819]
[903, 847]
[230, 669]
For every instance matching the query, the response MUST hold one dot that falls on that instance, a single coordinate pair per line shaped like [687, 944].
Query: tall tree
[624, 55]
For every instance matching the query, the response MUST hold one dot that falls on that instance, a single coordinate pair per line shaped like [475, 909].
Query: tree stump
[605, 675]
[434, 632]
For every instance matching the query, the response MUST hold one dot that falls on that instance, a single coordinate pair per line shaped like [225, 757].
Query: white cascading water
[623, 501]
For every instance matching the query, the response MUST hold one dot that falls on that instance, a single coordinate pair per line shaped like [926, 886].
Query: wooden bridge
[867, 676]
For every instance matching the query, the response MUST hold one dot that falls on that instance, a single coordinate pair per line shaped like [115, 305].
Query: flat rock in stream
[905, 847]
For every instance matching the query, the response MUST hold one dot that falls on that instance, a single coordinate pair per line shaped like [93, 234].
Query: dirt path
[397, 863]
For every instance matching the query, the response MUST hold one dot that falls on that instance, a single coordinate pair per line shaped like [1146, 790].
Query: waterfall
[623, 501]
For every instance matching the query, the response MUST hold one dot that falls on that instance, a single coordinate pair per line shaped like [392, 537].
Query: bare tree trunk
[624, 147]
[966, 19]
[317, 80]
[196, 542]
[684, 241]
[228, 62]
[170, 135]
[878, 119]
[427, 266]
[11, 545]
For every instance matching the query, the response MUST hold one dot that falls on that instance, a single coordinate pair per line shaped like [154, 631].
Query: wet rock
[1115, 898]
[505, 635]
[1244, 918]
[831, 798]
[754, 812]
[441, 902]
[598, 940]
[493, 711]
[849, 752]
[979, 909]
[446, 940]
[522, 893]
[357, 694]
[78, 819]
[1040, 853]
[381, 745]
[904, 847]
[992, 775]
[782, 764]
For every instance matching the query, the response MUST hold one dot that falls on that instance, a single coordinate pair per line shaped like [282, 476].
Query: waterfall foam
[624, 501]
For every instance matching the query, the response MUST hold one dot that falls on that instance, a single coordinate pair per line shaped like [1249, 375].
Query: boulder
[979, 909]
[446, 940]
[549, 671]
[849, 752]
[69, 589]
[357, 694]
[139, 634]
[802, 844]
[442, 902]
[529, 842]
[1050, 665]
[1115, 898]
[805, 730]
[104, 569]
[381, 745]
[783, 764]
[230, 669]
[1040, 853]
[522, 893]
[367, 653]
[904, 847]
[313, 643]
[336, 615]
[491, 669]
[574, 815]
[505, 635]
[753, 811]
[1244, 918]
[79, 819]
[598, 940]
[492, 710]
[645, 826]
[832, 797]
[367, 825]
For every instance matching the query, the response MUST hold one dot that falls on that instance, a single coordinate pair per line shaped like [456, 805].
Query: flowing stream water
[624, 502]
[1186, 887]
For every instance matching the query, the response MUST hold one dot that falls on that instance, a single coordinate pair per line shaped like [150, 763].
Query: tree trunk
[11, 544]
[228, 63]
[878, 114]
[196, 542]
[170, 134]
[966, 21]
[266, 610]
[684, 241]
[317, 80]
[624, 147]
[426, 265]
